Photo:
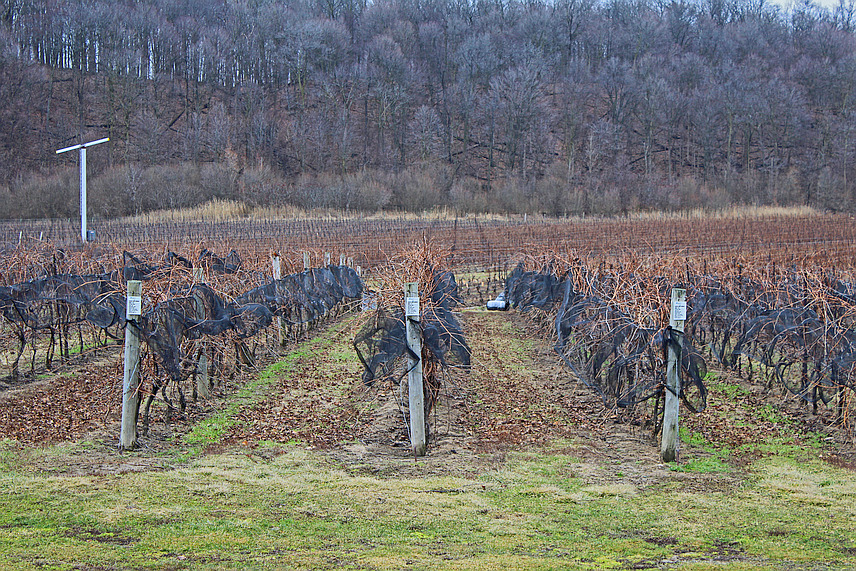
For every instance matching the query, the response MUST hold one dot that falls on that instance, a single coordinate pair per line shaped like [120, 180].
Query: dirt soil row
[516, 395]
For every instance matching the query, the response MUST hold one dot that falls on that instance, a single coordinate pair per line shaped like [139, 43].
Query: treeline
[562, 107]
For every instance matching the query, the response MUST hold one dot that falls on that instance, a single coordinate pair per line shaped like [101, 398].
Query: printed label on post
[134, 307]
[679, 311]
[411, 307]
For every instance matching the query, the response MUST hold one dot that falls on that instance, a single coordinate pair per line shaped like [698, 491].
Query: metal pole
[83, 194]
[83, 179]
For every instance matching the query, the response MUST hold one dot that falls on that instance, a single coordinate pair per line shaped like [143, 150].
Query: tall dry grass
[223, 210]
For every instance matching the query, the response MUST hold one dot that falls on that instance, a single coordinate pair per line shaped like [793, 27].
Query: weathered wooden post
[414, 375]
[277, 275]
[670, 444]
[202, 383]
[342, 259]
[305, 317]
[131, 378]
[326, 259]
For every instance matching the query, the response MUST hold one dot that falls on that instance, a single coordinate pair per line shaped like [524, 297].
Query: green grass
[702, 457]
[212, 429]
[299, 509]
[284, 506]
[732, 391]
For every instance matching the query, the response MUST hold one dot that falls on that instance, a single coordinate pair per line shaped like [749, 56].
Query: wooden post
[202, 383]
[307, 263]
[414, 376]
[342, 259]
[131, 378]
[277, 275]
[670, 444]
[326, 259]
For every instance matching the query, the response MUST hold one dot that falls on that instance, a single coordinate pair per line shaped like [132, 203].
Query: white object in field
[499, 303]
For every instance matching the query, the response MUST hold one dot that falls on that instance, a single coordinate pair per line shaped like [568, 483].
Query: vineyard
[270, 368]
[771, 300]
[472, 242]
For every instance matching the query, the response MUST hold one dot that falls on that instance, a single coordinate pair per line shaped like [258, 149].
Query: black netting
[189, 314]
[36, 304]
[299, 298]
[773, 325]
[525, 290]
[381, 344]
[611, 354]
[808, 354]
[230, 265]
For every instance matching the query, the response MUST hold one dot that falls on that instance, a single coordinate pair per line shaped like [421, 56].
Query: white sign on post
[134, 306]
[411, 307]
[679, 311]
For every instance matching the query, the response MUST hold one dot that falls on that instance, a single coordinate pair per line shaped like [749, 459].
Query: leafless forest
[560, 107]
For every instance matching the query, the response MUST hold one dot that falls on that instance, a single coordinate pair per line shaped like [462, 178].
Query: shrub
[55, 196]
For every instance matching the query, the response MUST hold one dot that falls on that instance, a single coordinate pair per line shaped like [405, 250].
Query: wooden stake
[414, 376]
[131, 378]
[277, 275]
[670, 444]
[307, 263]
[202, 383]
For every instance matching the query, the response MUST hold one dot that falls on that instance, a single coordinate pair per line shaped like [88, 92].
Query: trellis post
[202, 382]
[131, 378]
[277, 275]
[414, 375]
[670, 444]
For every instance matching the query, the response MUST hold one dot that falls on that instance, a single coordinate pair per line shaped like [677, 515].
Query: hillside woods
[564, 107]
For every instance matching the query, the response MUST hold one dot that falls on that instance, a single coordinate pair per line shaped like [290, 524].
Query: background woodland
[563, 107]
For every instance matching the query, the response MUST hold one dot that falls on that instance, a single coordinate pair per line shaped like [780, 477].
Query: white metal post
[83, 194]
[82, 149]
